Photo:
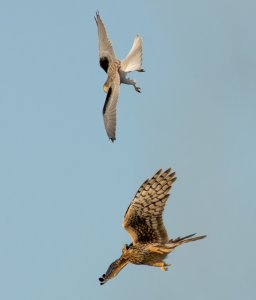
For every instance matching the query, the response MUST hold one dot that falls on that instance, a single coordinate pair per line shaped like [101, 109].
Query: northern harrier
[116, 70]
[143, 221]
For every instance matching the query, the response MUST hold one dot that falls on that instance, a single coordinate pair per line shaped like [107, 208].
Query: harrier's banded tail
[186, 239]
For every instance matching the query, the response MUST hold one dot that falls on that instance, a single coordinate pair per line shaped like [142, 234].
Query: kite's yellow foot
[105, 88]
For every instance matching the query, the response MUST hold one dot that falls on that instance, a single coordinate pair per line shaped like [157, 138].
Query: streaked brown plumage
[143, 221]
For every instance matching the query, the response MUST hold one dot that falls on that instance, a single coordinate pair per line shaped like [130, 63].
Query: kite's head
[108, 84]
[105, 88]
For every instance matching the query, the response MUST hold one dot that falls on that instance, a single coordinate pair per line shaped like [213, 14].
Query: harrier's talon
[164, 267]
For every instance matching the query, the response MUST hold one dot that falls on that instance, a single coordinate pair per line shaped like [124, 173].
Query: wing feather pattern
[143, 218]
[114, 269]
[109, 109]
[133, 60]
[106, 51]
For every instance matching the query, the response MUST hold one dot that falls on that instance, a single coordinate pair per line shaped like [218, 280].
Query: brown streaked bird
[144, 222]
[117, 71]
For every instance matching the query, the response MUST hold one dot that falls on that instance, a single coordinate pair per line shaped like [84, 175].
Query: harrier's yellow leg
[162, 265]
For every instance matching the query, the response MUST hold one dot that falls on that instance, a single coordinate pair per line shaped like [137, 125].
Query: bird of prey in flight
[144, 223]
[117, 71]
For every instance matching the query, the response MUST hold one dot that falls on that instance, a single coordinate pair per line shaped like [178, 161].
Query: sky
[65, 187]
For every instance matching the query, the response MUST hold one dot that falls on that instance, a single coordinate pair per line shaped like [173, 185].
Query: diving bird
[117, 71]
[144, 223]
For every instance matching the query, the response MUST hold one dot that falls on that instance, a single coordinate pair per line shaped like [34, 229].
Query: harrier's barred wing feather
[114, 269]
[106, 51]
[109, 109]
[143, 219]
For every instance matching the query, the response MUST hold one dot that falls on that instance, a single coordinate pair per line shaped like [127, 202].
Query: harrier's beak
[105, 88]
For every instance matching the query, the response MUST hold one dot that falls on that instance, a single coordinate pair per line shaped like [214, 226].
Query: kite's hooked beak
[105, 88]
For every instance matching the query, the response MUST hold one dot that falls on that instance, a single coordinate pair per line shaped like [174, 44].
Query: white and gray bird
[117, 71]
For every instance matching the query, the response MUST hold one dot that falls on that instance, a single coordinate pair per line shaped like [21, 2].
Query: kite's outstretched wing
[109, 109]
[106, 52]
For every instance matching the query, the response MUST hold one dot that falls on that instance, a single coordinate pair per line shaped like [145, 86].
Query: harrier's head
[124, 249]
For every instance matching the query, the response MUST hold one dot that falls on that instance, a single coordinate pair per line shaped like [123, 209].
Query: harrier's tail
[186, 239]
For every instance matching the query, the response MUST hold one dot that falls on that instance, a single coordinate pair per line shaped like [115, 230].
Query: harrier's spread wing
[106, 52]
[143, 219]
[109, 109]
[114, 269]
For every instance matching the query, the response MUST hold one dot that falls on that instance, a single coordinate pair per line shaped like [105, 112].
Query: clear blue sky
[65, 187]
